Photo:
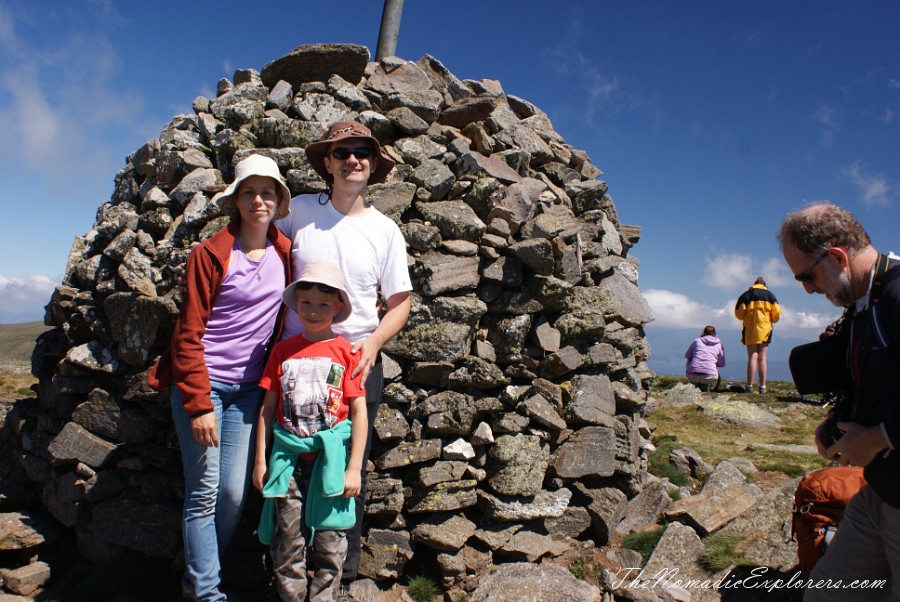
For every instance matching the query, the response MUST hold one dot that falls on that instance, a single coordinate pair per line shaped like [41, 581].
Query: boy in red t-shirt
[309, 390]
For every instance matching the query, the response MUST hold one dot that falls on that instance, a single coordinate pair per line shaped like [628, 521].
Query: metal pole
[390, 29]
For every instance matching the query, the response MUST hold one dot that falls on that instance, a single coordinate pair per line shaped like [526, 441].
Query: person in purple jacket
[704, 357]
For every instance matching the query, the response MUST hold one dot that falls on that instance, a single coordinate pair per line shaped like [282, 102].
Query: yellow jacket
[758, 309]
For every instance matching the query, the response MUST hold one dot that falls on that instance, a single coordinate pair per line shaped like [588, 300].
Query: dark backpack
[819, 504]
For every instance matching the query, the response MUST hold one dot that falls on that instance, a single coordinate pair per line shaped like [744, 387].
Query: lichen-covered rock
[519, 377]
[546, 504]
[517, 465]
[448, 536]
[526, 581]
[384, 554]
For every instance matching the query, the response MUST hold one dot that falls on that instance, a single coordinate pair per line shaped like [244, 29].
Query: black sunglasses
[305, 286]
[806, 276]
[342, 153]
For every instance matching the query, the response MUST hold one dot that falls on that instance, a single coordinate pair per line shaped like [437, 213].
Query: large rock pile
[511, 427]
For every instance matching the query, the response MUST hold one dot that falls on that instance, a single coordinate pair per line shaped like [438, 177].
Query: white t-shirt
[369, 249]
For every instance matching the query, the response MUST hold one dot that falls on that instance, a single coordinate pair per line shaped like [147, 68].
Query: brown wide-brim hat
[255, 165]
[340, 130]
[320, 272]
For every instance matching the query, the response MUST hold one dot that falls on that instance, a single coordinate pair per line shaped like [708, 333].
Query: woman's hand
[205, 428]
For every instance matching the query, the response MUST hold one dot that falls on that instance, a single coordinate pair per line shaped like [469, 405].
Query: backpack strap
[885, 270]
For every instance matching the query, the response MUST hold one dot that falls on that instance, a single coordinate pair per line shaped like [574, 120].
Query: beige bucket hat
[255, 165]
[320, 272]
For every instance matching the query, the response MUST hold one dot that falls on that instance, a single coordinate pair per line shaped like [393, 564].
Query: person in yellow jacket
[758, 309]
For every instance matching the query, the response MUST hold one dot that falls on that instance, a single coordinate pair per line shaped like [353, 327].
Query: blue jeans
[216, 482]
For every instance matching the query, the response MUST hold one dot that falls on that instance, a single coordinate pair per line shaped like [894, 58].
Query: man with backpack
[830, 253]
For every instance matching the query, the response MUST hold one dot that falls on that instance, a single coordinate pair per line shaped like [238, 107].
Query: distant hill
[17, 341]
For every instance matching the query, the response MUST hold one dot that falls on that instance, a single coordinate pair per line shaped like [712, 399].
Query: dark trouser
[374, 386]
[291, 547]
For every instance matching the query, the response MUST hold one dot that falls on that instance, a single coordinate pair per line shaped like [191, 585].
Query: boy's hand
[260, 476]
[351, 482]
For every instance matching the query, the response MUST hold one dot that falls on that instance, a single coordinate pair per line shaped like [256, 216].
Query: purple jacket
[704, 355]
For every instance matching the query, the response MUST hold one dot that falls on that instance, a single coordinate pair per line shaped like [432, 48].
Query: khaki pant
[866, 547]
[291, 557]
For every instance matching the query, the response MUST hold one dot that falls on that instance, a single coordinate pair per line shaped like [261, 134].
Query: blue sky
[710, 120]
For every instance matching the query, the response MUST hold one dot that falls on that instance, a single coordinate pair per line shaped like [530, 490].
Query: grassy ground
[16, 344]
[17, 341]
[716, 440]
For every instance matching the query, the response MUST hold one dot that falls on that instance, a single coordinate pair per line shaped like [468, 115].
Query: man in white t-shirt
[339, 226]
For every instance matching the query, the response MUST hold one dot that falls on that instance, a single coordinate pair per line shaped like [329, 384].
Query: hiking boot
[344, 595]
[762, 389]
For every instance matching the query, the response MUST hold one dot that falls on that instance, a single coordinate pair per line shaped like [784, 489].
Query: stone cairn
[512, 422]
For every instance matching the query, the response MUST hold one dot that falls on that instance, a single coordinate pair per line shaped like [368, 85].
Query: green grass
[16, 345]
[16, 384]
[17, 341]
[719, 552]
[644, 542]
[659, 465]
[583, 570]
[423, 589]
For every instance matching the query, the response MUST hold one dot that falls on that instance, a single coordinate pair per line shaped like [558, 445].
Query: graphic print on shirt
[311, 394]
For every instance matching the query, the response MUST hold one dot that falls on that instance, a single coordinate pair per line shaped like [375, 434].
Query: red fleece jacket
[184, 362]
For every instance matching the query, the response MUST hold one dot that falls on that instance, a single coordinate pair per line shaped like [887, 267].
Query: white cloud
[729, 271]
[33, 126]
[60, 103]
[607, 94]
[736, 272]
[792, 320]
[775, 272]
[7, 31]
[23, 299]
[674, 310]
[875, 190]
[827, 116]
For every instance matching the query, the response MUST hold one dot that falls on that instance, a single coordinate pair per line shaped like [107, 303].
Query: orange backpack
[819, 504]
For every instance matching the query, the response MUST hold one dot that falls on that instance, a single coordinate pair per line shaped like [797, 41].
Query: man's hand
[822, 442]
[857, 447]
[368, 350]
[205, 429]
[397, 306]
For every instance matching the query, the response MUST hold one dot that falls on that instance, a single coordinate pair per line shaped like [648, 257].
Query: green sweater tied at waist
[325, 505]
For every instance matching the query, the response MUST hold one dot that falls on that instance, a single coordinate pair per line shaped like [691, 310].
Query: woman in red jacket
[230, 315]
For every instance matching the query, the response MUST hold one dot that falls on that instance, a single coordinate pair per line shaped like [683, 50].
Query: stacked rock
[510, 428]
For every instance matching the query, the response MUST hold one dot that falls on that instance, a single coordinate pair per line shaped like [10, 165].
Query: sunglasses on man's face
[806, 276]
[342, 153]
[305, 286]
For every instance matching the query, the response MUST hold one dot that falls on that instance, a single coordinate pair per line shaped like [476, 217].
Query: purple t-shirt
[243, 317]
